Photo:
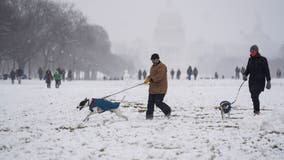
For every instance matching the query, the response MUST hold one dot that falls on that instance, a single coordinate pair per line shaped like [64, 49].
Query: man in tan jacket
[158, 87]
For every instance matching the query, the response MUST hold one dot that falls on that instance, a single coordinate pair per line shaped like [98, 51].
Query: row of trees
[52, 34]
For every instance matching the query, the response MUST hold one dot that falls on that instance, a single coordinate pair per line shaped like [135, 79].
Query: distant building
[169, 35]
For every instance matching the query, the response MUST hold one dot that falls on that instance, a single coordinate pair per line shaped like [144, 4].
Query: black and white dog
[100, 105]
[225, 108]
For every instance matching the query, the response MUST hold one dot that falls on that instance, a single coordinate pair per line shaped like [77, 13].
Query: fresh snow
[38, 123]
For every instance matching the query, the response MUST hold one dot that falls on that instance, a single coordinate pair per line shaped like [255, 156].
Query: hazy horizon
[218, 21]
[214, 29]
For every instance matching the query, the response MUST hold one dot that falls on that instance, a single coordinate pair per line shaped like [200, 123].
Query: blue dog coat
[103, 104]
[228, 104]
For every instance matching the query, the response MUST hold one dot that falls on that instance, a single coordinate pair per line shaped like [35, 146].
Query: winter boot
[149, 117]
[256, 113]
[169, 113]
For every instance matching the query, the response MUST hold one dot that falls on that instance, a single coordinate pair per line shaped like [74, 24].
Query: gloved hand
[268, 85]
[245, 78]
[147, 80]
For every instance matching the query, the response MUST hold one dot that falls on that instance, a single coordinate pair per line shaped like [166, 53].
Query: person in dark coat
[139, 74]
[69, 75]
[237, 70]
[40, 73]
[144, 74]
[189, 72]
[172, 73]
[158, 87]
[13, 76]
[48, 78]
[19, 74]
[258, 71]
[178, 74]
[195, 73]
[243, 71]
[278, 73]
[216, 76]
[63, 72]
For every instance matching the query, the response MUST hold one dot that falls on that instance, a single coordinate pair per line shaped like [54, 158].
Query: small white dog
[100, 105]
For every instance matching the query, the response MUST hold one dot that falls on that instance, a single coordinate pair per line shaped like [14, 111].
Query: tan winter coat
[159, 83]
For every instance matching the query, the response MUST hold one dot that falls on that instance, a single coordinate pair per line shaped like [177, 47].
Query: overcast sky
[219, 29]
[208, 20]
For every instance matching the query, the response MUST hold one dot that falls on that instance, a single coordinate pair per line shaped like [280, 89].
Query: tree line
[49, 34]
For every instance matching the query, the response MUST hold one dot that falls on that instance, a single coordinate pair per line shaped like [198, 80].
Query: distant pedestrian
[69, 75]
[216, 76]
[19, 74]
[178, 74]
[144, 74]
[258, 71]
[237, 70]
[13, 76]
[48, 78]
[172, 73]
[189, 73]
[40, 73]
[57, 78]
[195, 73]
[278, 73]
[243, 69]
[139, 74]
[63, 73]
[60, 72]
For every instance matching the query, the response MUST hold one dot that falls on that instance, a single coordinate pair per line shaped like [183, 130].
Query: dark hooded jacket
[258, 70]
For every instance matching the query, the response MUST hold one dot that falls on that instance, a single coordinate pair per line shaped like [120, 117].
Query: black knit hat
[155, 56]
[254, 47]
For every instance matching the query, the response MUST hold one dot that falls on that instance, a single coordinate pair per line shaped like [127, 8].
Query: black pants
[158, 100]
[57, 83]
[255, 100]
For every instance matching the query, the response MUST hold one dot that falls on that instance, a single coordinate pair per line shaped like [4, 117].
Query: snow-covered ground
[39, 123]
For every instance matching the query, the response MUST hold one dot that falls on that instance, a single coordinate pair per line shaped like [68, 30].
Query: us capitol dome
[169, 33]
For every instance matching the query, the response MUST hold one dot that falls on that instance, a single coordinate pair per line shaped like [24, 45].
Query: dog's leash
[238, 92]
[122, 91]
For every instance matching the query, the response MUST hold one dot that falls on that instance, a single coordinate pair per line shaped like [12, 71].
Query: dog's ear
[82, 103]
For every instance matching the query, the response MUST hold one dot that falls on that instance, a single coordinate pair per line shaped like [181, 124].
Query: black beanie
[254, 47]
[155, 56]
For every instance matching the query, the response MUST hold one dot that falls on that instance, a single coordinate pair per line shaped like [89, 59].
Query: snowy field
[38, 123]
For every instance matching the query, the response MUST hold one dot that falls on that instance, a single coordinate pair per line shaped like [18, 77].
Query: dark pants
[48, 85]
[255, 100]
[57, 83]
[19, 80]
[158, 100]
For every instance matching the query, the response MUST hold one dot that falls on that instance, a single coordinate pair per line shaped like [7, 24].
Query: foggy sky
[218, 33]
[218, 21]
